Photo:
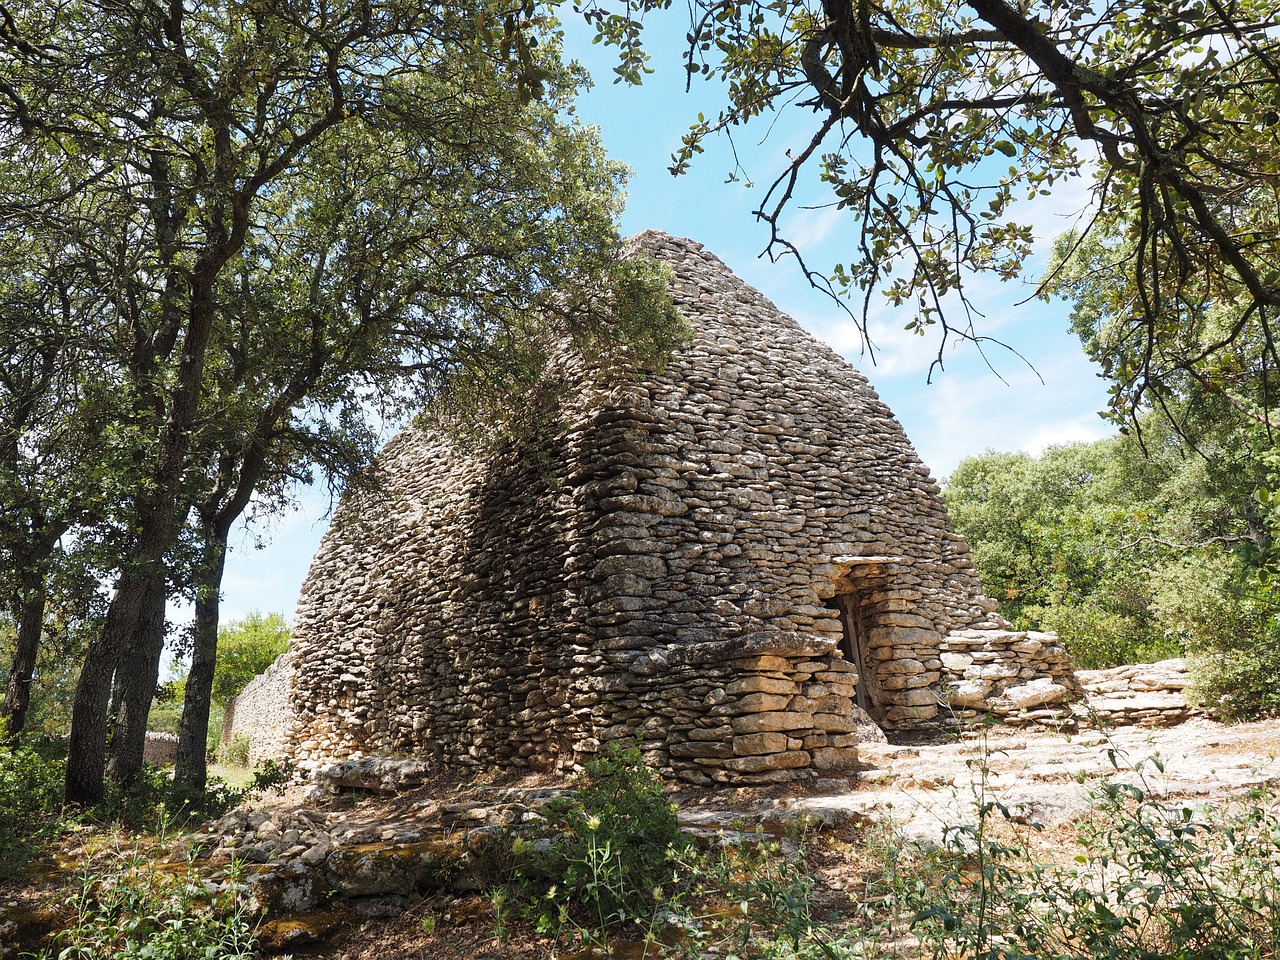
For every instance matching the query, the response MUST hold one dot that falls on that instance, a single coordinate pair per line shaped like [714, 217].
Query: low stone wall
[263, 712]
[1020, 676]
[160, 749]
[1144, 694]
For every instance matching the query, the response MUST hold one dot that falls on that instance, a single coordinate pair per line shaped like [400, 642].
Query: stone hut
[739, 562]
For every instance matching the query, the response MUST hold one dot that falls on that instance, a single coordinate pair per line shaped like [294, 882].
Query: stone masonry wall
[263, 712]
[1018, 676]
[693, 559]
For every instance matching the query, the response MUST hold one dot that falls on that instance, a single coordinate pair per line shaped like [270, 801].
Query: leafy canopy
[1131, 551]
[932, 118]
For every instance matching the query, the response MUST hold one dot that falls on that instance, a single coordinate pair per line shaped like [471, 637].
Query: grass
[236, 776]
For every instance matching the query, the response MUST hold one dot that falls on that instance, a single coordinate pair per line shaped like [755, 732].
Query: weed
[132, 911]
[602, 859]
[1153, 879]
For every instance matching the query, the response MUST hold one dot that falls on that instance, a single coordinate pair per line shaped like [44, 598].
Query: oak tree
[932, 119]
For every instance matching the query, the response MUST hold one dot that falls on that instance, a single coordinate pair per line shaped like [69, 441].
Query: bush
[31, 779]
[1099, 638]
[1239, 684]
[1227, 619]
[235, 752]
[609, 852]
[1208, 603]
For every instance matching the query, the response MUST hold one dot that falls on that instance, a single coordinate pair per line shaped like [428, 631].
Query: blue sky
[965, 410]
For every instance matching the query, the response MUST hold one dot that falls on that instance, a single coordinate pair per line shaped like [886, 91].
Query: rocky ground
[918, 789]
[376, 853]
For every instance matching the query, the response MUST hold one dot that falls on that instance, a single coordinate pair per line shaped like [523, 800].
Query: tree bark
[87, 744]
[17, 695]
[193, 735]
[135, 686]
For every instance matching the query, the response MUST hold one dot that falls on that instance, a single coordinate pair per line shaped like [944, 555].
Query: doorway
[853, 644]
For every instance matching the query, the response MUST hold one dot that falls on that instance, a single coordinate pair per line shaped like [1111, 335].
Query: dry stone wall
[263, 712]
[1018, 676]
[734, 562]
[1144, 695]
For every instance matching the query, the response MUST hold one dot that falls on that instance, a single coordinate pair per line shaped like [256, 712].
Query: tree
[246, 647]
[1102, 542]
[296, 216]
[931, 119]
[1220, 601]
[55, 451]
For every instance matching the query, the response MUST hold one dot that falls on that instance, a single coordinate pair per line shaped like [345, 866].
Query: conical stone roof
[696, 559]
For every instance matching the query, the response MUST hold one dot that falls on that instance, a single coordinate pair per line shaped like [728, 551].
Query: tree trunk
[193, 735]
[87, 744]
[17, 696]
[136, 675]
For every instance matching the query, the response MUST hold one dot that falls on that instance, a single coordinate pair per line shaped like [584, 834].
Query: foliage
[611, 860]
[612, 853]
[154, 801]
[1240, 684]
[246, 647]
[31, 798]
[276, 229]
[928, 121]
[751, 897]
[1099, 637]
[236, 751]
[1121, 545]
[129, 910]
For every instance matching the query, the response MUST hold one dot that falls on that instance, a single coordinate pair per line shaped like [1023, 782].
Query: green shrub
[154, 801]
[165, 716]
[213, 742]
[612, 850]
[1098, 638]
[1227, 619]
[1239, 684]
[31, 777]
[235, 752]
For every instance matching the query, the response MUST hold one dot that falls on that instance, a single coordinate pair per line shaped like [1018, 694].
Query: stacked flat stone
[263, 712]
[1021, 677]
[160, 749]
[1144, 695]
[659, 565]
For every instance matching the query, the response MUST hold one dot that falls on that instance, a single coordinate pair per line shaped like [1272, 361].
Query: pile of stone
[1145, 694]
[373, 774]
[306, 870]
[1021, 677]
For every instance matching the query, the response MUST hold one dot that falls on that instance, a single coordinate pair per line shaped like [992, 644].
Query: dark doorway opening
[853, 644]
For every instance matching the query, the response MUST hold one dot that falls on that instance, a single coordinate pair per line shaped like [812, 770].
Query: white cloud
[1082, 429]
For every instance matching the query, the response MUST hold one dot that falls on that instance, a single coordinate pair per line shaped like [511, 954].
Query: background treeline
[1149, 544]
[246, 647]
